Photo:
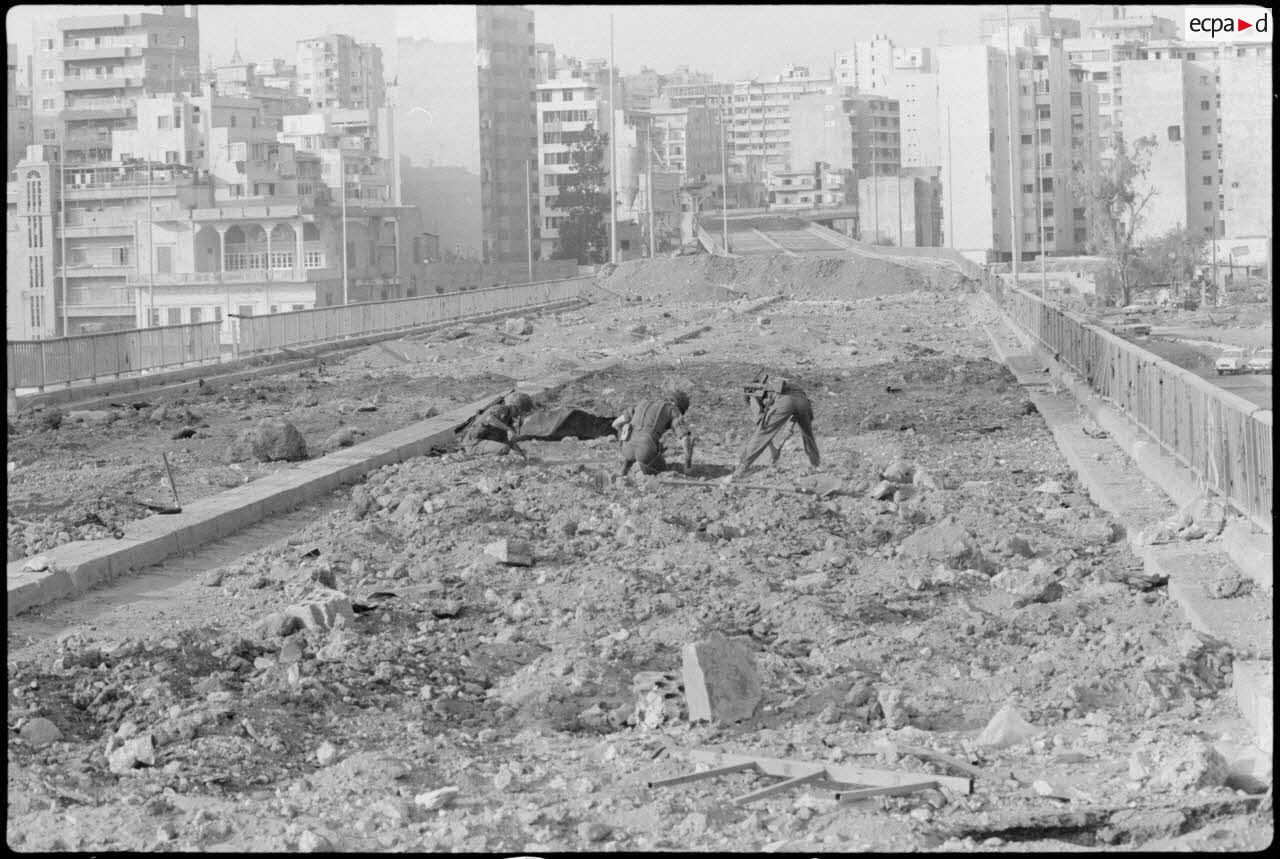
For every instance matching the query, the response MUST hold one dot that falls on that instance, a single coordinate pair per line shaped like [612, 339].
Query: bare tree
[1115, 204]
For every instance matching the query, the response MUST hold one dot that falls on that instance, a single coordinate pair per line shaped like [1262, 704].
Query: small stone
[882, 491]
[1006, 728]
[312, 842]
[511, 552]
[326, 754]
[593, 831]
[1140, 766]
[166, 832]
[899, 472]
[139, 750]
[438, 798]
[1016, 545]
[40, 732]
[896, 712]
[1050, 487]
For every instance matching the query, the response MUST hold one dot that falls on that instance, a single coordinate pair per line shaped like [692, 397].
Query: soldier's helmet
[522, 403]
[681, 399]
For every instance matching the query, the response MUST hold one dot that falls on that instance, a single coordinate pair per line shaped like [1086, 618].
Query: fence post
[93, 361]
[66, 342]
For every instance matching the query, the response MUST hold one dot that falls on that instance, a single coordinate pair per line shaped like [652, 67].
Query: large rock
[1194, 764]
[1006, 728]
[514, 552]
[947, 542]
[720, 680]
[40, 731]
[323, 610]
[896, 712]
[139, 750]
[344, 437]
[1037, 583]
[518, 325]
[271, 440]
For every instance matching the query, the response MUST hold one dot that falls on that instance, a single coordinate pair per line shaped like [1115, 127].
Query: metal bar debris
[781, 786]
[861, 793]
[711, 773]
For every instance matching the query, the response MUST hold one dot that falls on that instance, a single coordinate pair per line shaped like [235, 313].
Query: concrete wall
[967, 158]
[455, 277]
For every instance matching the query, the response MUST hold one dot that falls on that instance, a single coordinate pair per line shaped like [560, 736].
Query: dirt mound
[391, 354]
[710, 278]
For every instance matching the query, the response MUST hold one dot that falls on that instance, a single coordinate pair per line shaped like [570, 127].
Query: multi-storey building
[976, 154]
[867, 67]
[1030, 17]
[91, 70]
[278, 74]
[760, 121]
[686, 140]
[18, 115]
[336, 71]
[1246, 85]
[849, 131]
[247, 81]
[906, 74]
[903, 210]
[698, 93]
[469, 104]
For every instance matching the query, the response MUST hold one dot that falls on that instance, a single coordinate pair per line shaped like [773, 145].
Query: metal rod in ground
[713, 485]
[711, 773]
[895, 790]
[172, 486]
[816, 775]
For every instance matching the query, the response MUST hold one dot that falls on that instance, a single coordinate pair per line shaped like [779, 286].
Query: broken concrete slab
[720, 680]
[946, 541]
[1252, 682]
[324, 610]
[1007, 727]
[513, 552]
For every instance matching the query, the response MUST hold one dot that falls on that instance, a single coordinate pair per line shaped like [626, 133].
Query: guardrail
[325, 324]
[1222, 438]
[41, 363]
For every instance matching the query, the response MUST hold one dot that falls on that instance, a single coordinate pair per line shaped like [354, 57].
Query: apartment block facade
[88, 73]
[760, 121]
[335, 71]
[850, 131]
[19, 117]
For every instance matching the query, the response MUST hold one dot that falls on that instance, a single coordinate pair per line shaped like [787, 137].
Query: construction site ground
[514, 684]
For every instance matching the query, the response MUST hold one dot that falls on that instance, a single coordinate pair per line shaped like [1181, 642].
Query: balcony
[114, 190]
[100, 52]
[214, 278]
[98, 108]
[228, 211]
[97, 82]
[99, 269]
[100, 300]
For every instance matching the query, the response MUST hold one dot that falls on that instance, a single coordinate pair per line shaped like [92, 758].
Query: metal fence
[325, 324]
[41, 363]
[1224, 439]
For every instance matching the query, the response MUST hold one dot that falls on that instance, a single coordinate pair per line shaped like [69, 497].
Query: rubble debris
[720, 680]
[513, 552]
[438, 798]
[1006, 728]
[517, 325]
[659, 700]
[39, 732]
[324, 610]
[946, 541]
[271, 440]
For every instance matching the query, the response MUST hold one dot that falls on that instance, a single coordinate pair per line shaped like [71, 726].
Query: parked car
[1231, 361]
[1260, 361]
[1139, 307]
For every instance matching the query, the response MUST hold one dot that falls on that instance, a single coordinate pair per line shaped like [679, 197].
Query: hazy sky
[731, 41]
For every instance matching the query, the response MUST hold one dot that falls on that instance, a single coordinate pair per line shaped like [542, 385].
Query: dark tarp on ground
[559, 424]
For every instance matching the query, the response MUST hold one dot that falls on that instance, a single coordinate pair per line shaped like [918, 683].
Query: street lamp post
[342, 189]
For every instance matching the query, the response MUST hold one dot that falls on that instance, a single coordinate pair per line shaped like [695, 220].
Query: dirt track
[513, 684]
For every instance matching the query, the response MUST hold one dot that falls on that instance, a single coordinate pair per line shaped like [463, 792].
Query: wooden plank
[711, 773]
[781, 786]
[862, 793]
[842, 774]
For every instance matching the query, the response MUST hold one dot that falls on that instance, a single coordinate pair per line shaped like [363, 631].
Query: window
[314, 259]
[1028, 188]
[1204, 105]
[120, 256]
[35, 232]
[47, 45]
[1204, 80]
[48, 104]
[232, 120]
[1026, 140]
[566, 95]
[1206, 130]
[162, 122]
[1208, 205]
[175, 316]
[1046, 184]
[47, 74]
[244, 309]
[37, 310]
[35, 192]
[1208, 180]
[1078, 213]
[1046, 135]
[35, 272]
[197, 314]
[1206, 155]
[1175, 133]
[217, 314]
[1048, 234]
[1043, 113]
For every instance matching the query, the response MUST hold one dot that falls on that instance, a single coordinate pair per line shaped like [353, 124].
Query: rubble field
[78, 474]
[383, 680]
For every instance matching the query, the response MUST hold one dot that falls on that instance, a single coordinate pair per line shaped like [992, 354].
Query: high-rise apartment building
[850, 131]
[907, 75]
[760, 120]
[18, 115]
[469, 103]
[336, 71]
[974, 94]
[1247, 115]
[89, 71]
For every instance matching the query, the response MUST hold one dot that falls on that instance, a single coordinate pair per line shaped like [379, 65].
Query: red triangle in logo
[1242, 25]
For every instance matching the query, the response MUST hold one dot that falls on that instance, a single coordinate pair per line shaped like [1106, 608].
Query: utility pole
[62, 194]
[1044, 275]
[875, 192]
[1011, 60]
[724, 189]
[648, 164]
[951, 188]
[342, 189]
[899, 183]
[613, 160]
[528, 212]
[151, 256]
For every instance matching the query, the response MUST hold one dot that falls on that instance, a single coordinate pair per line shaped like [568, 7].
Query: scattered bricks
[947, 542]
[1006, 728]
[139, 750]
[720, 680]
[659, 699]
[40, 732]
[438, 798]
[513, 552]
[324, 610]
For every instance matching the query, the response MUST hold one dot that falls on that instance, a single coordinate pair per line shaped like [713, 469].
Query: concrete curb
[1249, 549]
[173, 381]
[76, 567]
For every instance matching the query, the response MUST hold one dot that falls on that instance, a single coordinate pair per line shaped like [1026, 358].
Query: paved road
[1254, 388]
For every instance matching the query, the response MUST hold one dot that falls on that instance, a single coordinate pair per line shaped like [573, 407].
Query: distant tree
[1115, 205]
[584, 233]
[1171, 257]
